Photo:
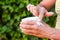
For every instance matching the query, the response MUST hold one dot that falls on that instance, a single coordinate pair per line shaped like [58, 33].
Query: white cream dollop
[36, 19]
[31, 18]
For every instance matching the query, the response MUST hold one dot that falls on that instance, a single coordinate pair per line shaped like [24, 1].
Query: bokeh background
[11, 13]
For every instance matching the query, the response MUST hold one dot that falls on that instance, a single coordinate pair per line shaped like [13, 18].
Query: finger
[26, 26]
[33, 9]
[41, 12]
[28, 7]
[48, 14]
[31, 31]
[34, 33]
[30, 27]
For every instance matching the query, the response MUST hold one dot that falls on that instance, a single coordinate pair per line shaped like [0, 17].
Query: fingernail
[28, 7]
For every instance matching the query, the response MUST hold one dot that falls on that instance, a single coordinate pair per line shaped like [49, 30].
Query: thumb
[48, 14]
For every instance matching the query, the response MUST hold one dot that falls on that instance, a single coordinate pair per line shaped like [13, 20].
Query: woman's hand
[35, 10]
[32, 28]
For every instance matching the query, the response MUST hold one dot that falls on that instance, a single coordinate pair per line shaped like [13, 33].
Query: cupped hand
[33, 28]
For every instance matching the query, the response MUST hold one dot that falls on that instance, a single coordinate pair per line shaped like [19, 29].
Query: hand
[35, 10]
[32, 28]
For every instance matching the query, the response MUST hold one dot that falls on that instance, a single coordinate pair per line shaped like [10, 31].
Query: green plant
[11, 13]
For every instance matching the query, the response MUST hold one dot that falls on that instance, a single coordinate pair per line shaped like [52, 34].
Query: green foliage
[11, 13]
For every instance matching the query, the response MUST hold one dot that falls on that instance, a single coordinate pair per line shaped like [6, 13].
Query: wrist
[41, 6]
[47, 3]
[50, 34]
[54, 34]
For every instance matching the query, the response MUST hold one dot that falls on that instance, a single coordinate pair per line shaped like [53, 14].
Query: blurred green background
[11, 13]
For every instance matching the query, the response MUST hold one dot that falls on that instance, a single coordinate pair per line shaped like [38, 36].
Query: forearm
[47, 3]
[54, 39]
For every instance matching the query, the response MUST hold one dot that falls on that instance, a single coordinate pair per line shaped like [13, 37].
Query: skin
[34, 10]
[47, 3]
[31, 27]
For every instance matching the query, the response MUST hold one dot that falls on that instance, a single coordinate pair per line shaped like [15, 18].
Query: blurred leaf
[3, 29]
